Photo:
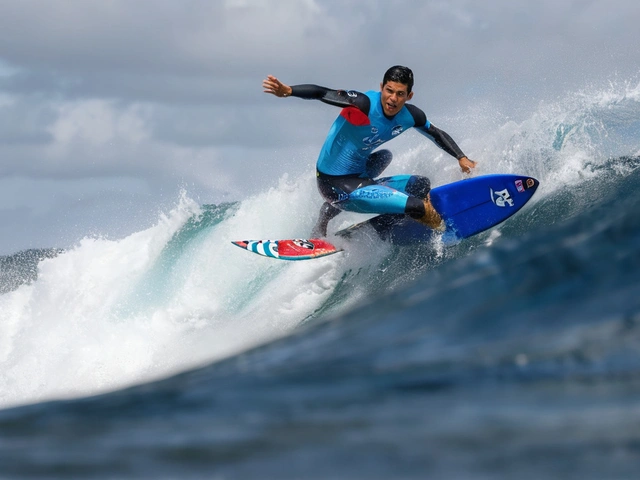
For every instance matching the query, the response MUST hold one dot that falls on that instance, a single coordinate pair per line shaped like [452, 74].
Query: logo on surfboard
[303, 243]
[501, 198]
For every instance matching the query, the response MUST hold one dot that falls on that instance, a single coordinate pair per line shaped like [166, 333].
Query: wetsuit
[347, 167]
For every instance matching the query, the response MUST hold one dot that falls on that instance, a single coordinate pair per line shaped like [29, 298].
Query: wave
[525, 347]
[107, 314]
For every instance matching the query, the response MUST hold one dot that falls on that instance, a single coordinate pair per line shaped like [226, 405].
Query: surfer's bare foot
[431, 218]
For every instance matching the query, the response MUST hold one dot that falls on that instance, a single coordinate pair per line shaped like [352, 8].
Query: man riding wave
[348, 168]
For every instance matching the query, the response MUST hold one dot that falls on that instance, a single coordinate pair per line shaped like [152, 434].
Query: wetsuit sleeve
[337, 98]
[442, 139]
[419, 117]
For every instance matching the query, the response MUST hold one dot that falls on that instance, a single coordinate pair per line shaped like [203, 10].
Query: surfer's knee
[418, 186]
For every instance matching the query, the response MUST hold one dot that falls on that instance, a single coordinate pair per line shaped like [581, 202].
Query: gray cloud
[25, 122]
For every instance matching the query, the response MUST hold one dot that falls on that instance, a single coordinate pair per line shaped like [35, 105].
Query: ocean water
[515, 354]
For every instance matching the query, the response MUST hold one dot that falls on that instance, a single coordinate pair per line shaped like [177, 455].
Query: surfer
[347, 169]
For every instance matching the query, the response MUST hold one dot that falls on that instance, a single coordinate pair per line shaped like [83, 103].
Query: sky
[110, 108]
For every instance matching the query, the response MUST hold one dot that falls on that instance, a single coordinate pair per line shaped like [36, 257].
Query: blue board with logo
[468, 207]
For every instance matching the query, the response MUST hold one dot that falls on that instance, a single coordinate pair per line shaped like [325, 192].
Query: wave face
[515, 354]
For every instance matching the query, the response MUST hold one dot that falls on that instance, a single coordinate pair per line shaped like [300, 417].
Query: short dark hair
[399, 74]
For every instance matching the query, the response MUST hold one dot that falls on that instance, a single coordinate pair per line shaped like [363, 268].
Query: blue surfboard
[467, 207]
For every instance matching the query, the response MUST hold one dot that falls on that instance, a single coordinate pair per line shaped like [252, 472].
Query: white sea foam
[106, 314]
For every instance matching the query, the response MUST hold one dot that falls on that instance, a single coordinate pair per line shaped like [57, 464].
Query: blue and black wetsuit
[347, 166]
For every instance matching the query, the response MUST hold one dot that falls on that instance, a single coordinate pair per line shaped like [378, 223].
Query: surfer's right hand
[275, 87]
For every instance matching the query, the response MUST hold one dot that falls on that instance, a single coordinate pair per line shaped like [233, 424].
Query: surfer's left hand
[466, 164]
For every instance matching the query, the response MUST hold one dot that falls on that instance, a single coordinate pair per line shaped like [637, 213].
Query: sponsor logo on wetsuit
[372, 193]
[371, 142]
[397, 130]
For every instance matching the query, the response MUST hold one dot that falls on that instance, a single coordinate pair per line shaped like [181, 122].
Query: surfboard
[467, 207]
[297, 249]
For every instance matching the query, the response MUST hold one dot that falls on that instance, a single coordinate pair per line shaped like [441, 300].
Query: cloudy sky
[109, 107]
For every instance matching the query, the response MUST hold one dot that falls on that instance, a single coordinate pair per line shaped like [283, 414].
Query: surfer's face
[393, 97]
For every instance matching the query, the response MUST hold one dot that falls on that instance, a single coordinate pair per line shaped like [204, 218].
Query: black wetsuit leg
[378, 161]
[333, 188]
[327, 212]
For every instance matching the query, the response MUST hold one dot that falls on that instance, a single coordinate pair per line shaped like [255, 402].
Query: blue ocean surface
[513, 354]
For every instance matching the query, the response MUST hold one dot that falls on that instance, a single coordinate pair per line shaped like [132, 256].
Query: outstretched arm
[338, 98]
[275, 87]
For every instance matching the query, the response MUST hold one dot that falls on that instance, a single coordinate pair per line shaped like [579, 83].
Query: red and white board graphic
[296, 249]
